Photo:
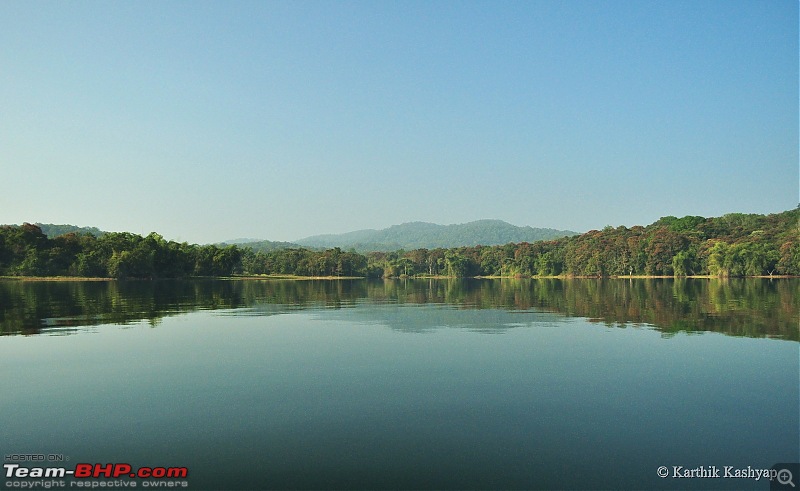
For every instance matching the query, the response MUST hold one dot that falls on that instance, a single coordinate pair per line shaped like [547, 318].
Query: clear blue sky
[207, 121]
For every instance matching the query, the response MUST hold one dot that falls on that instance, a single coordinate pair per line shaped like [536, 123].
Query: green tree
[683, 263]
[455, 264]
[789, 258]
[717, 262]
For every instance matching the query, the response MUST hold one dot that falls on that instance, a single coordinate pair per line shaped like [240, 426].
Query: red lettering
[122, 469]
[83, 470]
[177, 472]
[106, 471]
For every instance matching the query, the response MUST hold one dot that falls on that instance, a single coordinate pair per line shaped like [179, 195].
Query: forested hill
[260, 245]
[423, 235]
[52, 230]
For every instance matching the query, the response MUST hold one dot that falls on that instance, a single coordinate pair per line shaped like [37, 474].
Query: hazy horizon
[232, 240]
[235, 239]
[209, 121]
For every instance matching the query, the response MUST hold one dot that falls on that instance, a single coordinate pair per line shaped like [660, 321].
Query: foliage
[26, 251]
[732, 245]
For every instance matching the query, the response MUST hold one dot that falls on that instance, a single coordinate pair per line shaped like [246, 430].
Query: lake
[418, 384]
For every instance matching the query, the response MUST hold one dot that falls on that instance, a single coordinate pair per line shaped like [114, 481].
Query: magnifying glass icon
[785, 477]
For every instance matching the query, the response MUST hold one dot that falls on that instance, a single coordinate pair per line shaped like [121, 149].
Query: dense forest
[731, 245]
[26, 251]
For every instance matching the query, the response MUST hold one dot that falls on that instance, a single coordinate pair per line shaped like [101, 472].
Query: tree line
[26, 251]
[729, 246]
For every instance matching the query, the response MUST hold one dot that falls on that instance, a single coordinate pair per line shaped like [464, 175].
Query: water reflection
[738, 307]
[427, 318]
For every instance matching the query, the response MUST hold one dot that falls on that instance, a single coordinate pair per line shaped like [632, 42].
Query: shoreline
[289, 277]
[434, 277]
[55, 278]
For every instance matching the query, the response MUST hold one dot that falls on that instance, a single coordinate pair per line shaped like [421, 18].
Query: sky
[207, 121]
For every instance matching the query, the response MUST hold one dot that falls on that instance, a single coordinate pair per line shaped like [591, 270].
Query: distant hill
[239, 241]
[52, 230]
[423, 235]
[261, 245]
[408, 236]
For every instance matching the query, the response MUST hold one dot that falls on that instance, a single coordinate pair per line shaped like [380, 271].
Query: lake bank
[402, 277]
[55, 278]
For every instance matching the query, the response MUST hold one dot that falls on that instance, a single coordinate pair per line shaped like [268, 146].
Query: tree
[455, 264]
[789, 258]
[683, 263]
[717, 263]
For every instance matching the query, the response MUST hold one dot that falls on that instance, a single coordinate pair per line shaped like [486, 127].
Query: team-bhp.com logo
[94, 471]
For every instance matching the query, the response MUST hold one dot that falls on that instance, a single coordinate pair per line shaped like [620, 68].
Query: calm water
[512, 384]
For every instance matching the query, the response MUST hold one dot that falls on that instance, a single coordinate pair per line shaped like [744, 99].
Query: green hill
[423, 235]
[261, 245]
[52, 230]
